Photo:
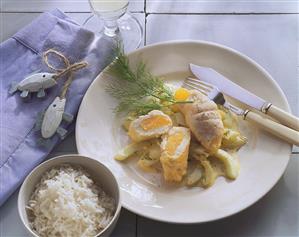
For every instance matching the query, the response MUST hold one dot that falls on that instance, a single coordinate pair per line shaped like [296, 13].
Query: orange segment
[173, 142]
[181, 94]
[154, 122]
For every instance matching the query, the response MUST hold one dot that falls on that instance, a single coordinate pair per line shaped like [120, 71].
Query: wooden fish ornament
[49, 122]
[52, 118]
[36, 82]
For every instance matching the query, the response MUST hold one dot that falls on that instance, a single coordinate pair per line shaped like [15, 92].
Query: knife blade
[228, 87]
[232, 89]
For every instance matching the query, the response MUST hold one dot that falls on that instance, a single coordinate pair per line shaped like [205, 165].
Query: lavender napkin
[21, 55]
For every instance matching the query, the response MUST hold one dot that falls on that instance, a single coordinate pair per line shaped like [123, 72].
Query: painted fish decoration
[37, 82]
[53, 117]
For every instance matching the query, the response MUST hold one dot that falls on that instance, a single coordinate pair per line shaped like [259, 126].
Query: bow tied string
[69, 69]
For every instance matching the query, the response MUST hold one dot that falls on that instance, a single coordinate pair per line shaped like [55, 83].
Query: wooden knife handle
[283, 117]
[289, 135]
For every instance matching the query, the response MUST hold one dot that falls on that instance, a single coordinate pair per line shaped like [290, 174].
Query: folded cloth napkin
[21, 55]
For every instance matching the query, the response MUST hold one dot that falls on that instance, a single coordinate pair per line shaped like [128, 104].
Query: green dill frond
[137, 106]
[120, 67]
[136, 90]
[122, 90]
[142, 109]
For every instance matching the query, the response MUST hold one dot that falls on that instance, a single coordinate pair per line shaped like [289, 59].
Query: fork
[213, 93]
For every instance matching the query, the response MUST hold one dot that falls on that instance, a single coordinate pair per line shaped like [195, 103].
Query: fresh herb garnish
[137, 91]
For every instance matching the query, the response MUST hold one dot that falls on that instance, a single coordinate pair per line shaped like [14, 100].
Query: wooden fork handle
[289, 135]
[283, 117]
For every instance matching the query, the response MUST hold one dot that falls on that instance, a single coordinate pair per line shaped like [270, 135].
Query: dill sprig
[137, 90]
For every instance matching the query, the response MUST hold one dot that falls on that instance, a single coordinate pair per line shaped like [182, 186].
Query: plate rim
[231, 50]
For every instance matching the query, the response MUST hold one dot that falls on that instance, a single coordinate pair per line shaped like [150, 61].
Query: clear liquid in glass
[109, 8]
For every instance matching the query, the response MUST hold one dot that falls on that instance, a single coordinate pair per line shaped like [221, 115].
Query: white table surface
[266, 31]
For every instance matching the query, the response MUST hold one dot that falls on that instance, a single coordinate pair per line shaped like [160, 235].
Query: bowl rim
[78, 156]
[227, 49]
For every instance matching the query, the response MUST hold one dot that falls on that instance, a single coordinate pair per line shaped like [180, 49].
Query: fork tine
[186, 84]
[206, 84]
[198, 85]
[196, 80]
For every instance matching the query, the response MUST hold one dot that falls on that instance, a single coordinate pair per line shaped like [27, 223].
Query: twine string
[69, 69]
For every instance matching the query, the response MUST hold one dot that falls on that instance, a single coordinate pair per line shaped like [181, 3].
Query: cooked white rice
[66, 202]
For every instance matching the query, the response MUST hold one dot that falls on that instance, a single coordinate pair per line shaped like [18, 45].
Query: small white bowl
[98, 172]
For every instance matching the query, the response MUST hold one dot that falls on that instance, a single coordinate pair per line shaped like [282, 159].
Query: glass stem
[111, 28]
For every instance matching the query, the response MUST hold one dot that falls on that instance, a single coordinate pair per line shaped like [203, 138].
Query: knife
[230, 88]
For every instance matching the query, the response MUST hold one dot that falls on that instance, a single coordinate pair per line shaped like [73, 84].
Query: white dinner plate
[263, 160]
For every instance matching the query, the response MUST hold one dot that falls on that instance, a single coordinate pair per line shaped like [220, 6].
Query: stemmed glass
[110, 19]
